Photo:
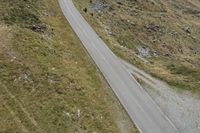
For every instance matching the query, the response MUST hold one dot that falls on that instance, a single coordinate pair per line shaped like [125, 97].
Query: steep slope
[47, 82]
[161, 37]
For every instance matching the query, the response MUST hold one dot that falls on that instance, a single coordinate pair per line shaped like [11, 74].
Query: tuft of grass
[19, 12]
[185, 71]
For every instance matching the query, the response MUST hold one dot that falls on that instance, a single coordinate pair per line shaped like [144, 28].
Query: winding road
[142, 110]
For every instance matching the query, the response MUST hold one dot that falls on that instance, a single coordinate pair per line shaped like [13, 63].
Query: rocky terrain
[161, 37]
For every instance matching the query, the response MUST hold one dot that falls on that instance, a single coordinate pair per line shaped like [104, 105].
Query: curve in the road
[139, 105]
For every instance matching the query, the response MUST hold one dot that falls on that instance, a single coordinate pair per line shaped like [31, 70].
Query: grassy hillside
[162, 37]
[47, 82]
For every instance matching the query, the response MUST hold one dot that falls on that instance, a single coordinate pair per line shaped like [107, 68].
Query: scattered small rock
[66, 113]
[78, 113]
[152, 27]
[108, 31]
[187, 30]
[39, 28]
[174, 34]
[144, 52]
[13, 59]
[99, 6]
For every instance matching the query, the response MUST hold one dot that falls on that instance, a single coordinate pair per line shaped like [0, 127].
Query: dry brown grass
[47, 82]
[169, 29]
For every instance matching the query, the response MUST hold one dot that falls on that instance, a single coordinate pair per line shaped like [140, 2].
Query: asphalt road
[139, 105]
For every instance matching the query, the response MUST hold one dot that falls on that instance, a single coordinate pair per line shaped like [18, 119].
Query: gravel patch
[183, 109]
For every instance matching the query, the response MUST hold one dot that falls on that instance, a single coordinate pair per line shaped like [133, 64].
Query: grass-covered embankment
[160, 37]
[47, 82]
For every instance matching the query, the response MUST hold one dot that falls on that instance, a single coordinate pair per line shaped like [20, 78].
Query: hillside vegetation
[47, 82]
[160, 36]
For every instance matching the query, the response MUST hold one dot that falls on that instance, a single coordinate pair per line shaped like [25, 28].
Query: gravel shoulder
[182, 108]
